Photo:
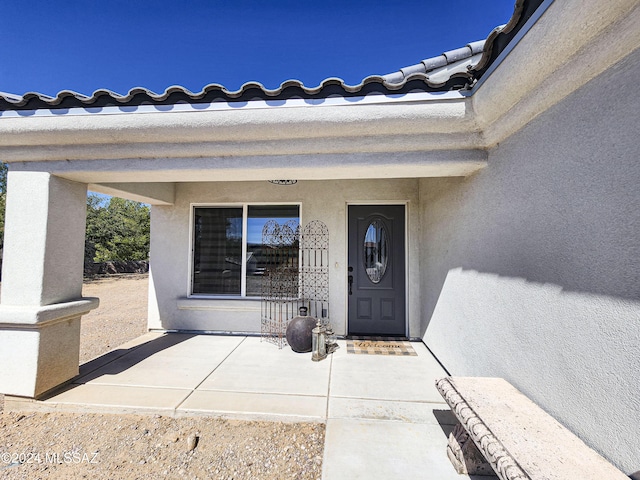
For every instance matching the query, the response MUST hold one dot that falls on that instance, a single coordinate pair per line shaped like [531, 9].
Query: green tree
[117, 229]
[3, 177]
[3, 200]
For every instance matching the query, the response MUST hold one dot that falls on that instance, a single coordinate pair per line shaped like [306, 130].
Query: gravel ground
[121, 316]
[75, 446]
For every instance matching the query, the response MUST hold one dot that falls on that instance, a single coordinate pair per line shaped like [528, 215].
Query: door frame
[405, 204]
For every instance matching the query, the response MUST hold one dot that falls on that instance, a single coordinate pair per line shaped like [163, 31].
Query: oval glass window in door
[376, 251]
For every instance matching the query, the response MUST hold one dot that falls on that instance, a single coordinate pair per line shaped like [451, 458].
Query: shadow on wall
[573, 353]
[557, 203]
[531, 267]
[584, 243]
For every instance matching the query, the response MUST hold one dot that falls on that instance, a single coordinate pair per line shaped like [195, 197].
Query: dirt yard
[122, 314]
[101, 446]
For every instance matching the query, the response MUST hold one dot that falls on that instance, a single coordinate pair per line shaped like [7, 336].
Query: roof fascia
[428, 122]
[570, 43]
[373, 99]
[510, 46]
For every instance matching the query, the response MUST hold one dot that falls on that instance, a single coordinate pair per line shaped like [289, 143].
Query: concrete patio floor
[384, 417]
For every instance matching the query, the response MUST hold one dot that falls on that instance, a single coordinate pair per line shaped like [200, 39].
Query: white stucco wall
[531, 267]
[42, 283]
[44, 239]
[320, 200]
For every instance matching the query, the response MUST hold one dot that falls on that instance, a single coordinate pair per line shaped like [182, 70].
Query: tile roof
[215, 93]
[438, 70]
[453, 70]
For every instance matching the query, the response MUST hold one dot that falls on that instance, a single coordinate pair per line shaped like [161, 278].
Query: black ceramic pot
[299, 332]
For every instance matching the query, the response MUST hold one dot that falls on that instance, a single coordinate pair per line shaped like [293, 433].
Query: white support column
[41, 302]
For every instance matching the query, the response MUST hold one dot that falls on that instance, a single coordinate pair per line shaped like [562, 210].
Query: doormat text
[380, 347]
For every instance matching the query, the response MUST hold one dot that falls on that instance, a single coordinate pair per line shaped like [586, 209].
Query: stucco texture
[44, 239]
[169, 307]
[531, 267]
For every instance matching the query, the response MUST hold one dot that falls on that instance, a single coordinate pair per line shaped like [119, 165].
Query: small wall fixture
[283, 182]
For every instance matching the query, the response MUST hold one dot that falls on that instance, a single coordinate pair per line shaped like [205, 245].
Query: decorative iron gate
[296, 274]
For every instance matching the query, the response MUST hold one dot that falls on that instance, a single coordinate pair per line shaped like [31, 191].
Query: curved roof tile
[453, 70]
[500, 36]
[451, 61]
[218, 93]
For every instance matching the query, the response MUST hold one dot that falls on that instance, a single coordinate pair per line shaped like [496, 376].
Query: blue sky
[54, 45]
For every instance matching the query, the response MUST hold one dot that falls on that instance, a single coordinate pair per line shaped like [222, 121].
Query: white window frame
[243, 279]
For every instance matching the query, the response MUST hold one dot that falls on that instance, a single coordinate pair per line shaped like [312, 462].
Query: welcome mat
[379, 346]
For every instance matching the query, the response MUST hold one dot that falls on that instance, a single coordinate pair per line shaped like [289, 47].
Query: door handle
[350, 278]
